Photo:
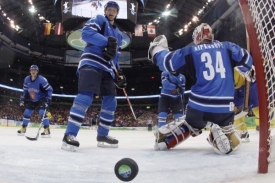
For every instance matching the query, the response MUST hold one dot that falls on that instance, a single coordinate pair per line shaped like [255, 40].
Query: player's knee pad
[41, 112]
[162, 117]
[224, 140]
[171, 135]
[27, 113]
[109, 102]
[83, 101]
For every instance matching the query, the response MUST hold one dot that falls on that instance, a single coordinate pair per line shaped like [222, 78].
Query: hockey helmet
[111, 4]
[201, 33]
[34, 67]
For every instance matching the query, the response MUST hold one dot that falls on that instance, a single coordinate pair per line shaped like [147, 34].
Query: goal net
[260, 21]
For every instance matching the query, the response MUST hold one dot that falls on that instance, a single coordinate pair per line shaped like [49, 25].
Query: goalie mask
[201, 33]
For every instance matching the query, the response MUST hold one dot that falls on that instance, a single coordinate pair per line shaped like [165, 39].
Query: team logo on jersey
[132, 9]
[32, 95]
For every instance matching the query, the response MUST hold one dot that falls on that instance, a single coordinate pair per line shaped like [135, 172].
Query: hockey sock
[242, 126]
[107, 111]
[46, 120]
[26, 121]
[162, 117]
[256, 113]
[160, 124]
[77, 113]
[26, 117]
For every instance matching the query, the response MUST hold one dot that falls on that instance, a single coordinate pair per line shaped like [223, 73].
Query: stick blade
[32, 139]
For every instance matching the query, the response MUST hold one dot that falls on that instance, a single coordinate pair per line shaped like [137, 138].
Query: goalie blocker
[223, 140]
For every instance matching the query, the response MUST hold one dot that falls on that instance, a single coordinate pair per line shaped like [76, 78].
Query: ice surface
[193, 161]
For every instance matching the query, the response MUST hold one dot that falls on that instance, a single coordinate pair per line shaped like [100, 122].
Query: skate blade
[45, 136]
[68, 147]
[101, 144]
[20, 134]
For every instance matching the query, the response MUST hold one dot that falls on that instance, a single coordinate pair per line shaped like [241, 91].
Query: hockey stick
[124, 91]
[247, 90]
[40, 126]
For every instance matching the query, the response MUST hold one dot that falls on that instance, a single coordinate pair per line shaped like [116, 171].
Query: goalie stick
[245, 109]
[40, 126]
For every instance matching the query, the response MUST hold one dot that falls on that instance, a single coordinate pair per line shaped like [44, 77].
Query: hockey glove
[120, 81]
[250, 75]
[179, 90]
[158, 44]
[110, 51]
[22, 101]
[48, 101]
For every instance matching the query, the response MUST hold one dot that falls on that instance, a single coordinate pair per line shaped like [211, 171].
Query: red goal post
[259, 20]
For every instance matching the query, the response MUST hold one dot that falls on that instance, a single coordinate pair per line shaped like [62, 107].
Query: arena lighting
[73, 96]
[195, 18]
[32, 9]
[166, 13]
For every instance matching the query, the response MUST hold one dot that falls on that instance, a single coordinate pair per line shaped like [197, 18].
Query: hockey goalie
[224, 140]
[211, 98]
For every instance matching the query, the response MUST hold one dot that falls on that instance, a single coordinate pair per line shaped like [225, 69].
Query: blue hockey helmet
[111, 4]
[34, 67]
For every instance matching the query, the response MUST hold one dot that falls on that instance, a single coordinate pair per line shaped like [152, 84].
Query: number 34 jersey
[212, 67]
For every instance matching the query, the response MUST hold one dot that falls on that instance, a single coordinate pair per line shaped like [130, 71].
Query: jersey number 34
[209, 74]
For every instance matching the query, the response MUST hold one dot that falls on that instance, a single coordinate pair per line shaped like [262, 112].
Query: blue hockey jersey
[37, 89]
[170, 83]
[95, 34]
[212, 66]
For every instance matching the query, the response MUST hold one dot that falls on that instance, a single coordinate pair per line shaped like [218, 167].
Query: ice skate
[245, 136]
[107, 141]
[22, 131]
[70, 143]
[46, 133]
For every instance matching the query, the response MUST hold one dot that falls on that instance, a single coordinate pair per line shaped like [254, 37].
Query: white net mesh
[264, 19]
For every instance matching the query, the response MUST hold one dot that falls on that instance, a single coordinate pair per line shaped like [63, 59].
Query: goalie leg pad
[171, 135]
[235, 140]
[219, 140]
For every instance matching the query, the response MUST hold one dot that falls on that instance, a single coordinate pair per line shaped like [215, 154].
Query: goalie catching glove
[158, 44]
[120, 81]
[248, 75]
[110, 51]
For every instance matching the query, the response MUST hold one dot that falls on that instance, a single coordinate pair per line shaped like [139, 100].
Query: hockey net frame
[259, 20]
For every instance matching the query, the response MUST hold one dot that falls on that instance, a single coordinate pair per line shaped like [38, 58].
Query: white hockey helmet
[201, 33]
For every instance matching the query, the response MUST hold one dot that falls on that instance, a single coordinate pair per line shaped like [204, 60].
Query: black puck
[126, 169]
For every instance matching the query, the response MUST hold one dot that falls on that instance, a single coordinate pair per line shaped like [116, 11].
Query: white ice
[193, 161]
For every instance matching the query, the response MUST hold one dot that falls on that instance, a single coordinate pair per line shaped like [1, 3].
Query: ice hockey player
[211, 97]
[96, 76]
[171, 96]
[38, 92]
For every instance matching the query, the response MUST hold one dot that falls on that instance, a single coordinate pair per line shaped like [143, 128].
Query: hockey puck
[126, 169]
